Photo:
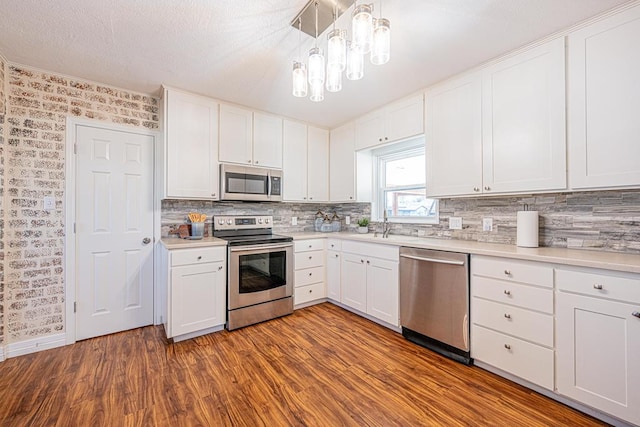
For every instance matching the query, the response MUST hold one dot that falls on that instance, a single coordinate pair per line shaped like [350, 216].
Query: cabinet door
[404, 119]
[453, 143]
[370, 130]
[236, 135]
[354, 281]
[597, 347]
[333, 275]
[383, 290]
[342, 164]
[192, 146]
[604, 102]
[524, 146]
[197, 297]
[267, 140]
[294, 161]
[318, 165]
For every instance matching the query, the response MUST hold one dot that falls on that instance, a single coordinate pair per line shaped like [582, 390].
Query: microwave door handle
[269, 184]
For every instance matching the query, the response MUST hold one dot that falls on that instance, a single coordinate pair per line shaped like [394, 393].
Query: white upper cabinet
[317, 165]
[267, 141]
[250, 138]
[342, 185]
[453, 143]
[604, 103]
[500, 129]
[191, 146]
[394, 122]
[294, 161]
[523, 112]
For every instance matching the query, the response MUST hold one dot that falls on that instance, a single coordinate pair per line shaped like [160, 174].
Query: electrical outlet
[487, 224]
[455, 223]
[294, 220]
[49, 203]
[347, 220]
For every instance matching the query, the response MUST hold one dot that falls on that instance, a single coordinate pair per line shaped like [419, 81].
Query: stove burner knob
[221, 221]
[259, 220]
[266, 220]
[229, 222]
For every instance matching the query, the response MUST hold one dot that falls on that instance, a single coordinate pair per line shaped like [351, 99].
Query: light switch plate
[347, 220]
[49, 203]
[487, 224]
[294, 220]
[455, 223]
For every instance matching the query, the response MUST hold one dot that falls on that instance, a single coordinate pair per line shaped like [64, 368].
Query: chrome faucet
[386, 227]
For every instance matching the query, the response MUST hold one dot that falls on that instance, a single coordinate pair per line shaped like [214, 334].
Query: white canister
[527, 229]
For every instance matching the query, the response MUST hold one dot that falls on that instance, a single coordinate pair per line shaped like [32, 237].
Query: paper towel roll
[527, 229]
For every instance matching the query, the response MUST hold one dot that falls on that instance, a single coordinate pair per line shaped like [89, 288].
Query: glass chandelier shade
[362, 27]
[381, 49]
[316, 67]
[334, 78]
[317, 92]
[299, 79]
[355, 63]
[337, 49]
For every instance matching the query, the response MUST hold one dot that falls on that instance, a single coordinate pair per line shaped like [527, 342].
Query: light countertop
[178, 243]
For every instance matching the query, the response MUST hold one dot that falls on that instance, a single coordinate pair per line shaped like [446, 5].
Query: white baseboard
[1, 353]
[197, 333]
[34, 345]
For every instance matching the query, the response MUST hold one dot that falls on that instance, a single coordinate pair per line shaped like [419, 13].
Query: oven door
[259, 273]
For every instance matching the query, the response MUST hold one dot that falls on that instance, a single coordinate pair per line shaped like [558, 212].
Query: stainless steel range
[260, 269]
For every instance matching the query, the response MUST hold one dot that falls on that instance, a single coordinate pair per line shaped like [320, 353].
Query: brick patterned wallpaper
[38, 104]
[3, 64]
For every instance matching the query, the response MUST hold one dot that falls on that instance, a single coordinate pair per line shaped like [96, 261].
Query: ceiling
[241, 51]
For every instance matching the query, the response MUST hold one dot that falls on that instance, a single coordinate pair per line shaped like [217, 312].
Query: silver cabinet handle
[636, 314]
[507, 346]
[597, 286]
[219, 268]
[362, 261]
[507, 272]
[248, 161]
[213, 194]
[368, 262]
[350, 197]
[310, 274]
[310, 290]
[256, 162]
[146, 241]
[487, 188]
[476, 189]
[200, 257]
[336, 255]
[507, 316]
[507, 292]
[310, 257]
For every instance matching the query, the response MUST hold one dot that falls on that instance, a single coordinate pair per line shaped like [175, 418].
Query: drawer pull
[507, 292]
[310, 274]
[507, 272]
[310, 290]
[597, 286]
[368, 262]
[310, 257]
[507, 346]
[310, 246]
[336, 255]
[219, 268]
[200, 257]
[507, 316]
[362, 260]
[636, 314]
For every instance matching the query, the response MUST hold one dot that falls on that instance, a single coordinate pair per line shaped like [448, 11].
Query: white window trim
[384, 154]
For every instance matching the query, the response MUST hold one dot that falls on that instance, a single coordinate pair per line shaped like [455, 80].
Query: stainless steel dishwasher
[434, 301]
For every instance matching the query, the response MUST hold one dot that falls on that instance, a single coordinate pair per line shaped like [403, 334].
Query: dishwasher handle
[440, 261]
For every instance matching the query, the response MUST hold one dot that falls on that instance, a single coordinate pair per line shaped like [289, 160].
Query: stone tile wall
[3, 64]
[38, 104]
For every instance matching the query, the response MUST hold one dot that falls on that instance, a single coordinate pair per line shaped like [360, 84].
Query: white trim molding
[35, 344]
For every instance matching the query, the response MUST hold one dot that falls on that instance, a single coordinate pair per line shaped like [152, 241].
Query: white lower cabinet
[598, 340]
[309, 271]
[512, 324]
[334, 281]
[197, 286]
[369, 274]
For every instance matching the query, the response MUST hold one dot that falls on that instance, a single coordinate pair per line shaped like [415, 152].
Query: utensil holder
[197, 229]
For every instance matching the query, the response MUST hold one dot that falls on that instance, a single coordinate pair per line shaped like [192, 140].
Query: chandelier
[369, 36]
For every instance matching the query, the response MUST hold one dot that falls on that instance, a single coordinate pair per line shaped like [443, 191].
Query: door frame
[69, 214]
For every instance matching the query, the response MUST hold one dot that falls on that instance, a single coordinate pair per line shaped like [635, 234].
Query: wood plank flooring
[321, 366]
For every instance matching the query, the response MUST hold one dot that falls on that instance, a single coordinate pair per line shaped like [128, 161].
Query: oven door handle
[259, 247]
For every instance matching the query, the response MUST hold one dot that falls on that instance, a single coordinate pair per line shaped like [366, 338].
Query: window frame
[381, 156]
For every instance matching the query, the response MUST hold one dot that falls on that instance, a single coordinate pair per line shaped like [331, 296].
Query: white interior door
[114, 231]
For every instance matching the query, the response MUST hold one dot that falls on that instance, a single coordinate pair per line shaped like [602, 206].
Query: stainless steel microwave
[250, 184]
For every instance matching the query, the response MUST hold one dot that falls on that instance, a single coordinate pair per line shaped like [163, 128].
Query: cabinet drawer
[598, 284]
[531, 273]
[308, 245]
[309, 259]
[525, 360]
[309, 276]
[391, 253]
[308, 293]
[530, 297]
[525, 324]
[334, 244]
[197, 255]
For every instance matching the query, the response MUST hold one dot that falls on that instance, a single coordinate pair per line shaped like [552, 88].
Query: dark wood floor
[321, 366]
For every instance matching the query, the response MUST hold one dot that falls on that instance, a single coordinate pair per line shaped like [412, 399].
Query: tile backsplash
[597, 220]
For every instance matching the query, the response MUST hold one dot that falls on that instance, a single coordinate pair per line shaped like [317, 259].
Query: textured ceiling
[241, 50]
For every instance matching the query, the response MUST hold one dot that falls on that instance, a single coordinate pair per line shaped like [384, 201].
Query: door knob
[146, 241]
